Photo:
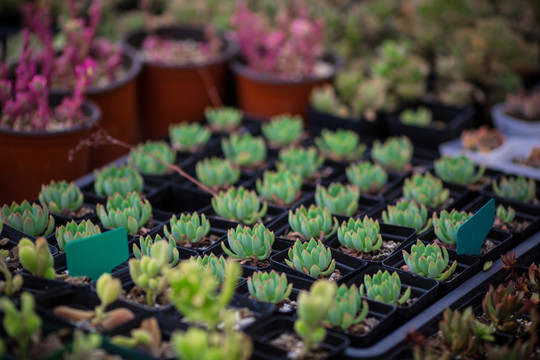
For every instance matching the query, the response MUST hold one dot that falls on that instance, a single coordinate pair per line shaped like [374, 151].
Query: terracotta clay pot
[174, 93]
[30, 159]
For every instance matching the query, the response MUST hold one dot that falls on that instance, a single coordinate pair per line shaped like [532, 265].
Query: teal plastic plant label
[97, 254]
[472, 233]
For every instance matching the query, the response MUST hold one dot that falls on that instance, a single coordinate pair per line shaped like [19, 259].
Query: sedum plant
[348, 308]
[214, 263]
[224, 119]
[36, 257]
[73, 231]
[146, 244]
[61, 197]
[33, 219]
[312, 258]
[279, 187]
[269, 286]
[409, 214]
[368, 177]
[283, 130]
[395, 154]
[340, 145]
[425, 189]
[247, 243]
[384, 287]
[312, 222]
[338, 198]
[361, 235]
[518, 188]
[117, 179]
[188, 137]
[504, 305]
[505, 215]
[429, 260]
[152, 157]
[421, 117]
[446, 225]
[187, 230]
[130, 212]
[240, 205]
[303, 161]
[217, 173]
[458, 169]
[245, 150]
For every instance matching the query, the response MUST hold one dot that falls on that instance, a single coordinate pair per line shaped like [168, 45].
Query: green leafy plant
[312, 258]
[395, 154]
[152, 157]
[245, 150]
[361, 235]
[409, 214]
[338, 198]
[11, 283]
[117, 179]
[31, 219]
[147, 336]
[146, 244]
[324, 99]
[217, 173]
[215, 264]
[518, 188]
[312, 222]
[269, 286]
[223, 119]
[239, 204]
[61, 197]
[283, 130]
[187, 230]
[73, 231]
[108, 290]
[429, 260]
[421, 117]
[369, 178]
[505, 215]
[504, 305]
[458, 169]
[130, 212]
[348, 309]
[384, 287]
[279, 187]
[247, 243]
[36, 258]
[303, 161]
[340, 145]
[425, 189]
[189, 137]
[447, 223]
[84, 345]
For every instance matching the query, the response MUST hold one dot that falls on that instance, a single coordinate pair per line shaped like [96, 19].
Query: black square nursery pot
[176, 199]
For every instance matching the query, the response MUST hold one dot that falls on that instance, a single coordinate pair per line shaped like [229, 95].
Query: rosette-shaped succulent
[223, 119]
[279, 187]
[130, 212]
[61, 197]
[409, 214]
[283, 130]
[36, 257]
[340, 145]
[303, 161]
[446, 225]
[217, 173]
[421, 117]
[240, 205]
[146, 244]
[313, 222]
[214, 263]
[338, 198]
[517, 188]
[429, 260]
[360, 235]
[505, 215]
[425, 189]
[122, 180]
[369, 178]
[152, 157]
[394, 154]
[269, 286]
[247, 243]
[187, 230]
[504, 305]
[188, 137]
[312, 258]
[244, 150]
[348, 309]
[458, 169]
[73, 231]
[31, 219]
[384, 287]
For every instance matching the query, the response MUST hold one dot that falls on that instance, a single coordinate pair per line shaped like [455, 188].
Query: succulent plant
[10, 283]
[214, 263]
[279, 187]
[523, 106]
[36, 257]
[505, 215]
[122, 179]
[518, 188]
[61, 197]
[188, 229]
[73, 231]
[313, 222]
[394, 154]
[247, 243]
[312, 258]
[217, 173]
[368, 177]
[458, 169]
[269, 286]
[283, 130]
[482, 139]
[130, 212]
[348, 309]
[409, 214]
[425, 189]
[504, 305]
[340, 145]
[223, 119]
[429, 260]
[384, 287]
[188, 137]
[303, 161]
[338, 198]
[324, 99]
[360, 235]
[421, 117]
[446, 225]
[146, 244]
[143, 157]
[33, 219]
[240, 205]
[244, 150]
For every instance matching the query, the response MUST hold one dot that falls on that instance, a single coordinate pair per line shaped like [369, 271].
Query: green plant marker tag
[97, 254]
[472, 233]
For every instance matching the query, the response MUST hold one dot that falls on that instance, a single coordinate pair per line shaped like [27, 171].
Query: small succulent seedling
[395, 154]
[247, 243]
[240, 205]
[505, 215]
[283, 130]
[84, 345]
[36, 258]
[324, 99]
[312, 258]
[518, 188]
[188, 137]
[223, 119]
[425, 189]
[61, 197]
[108, 290]
[384, 287]
[147, 336]
[215, 264]
[421, 117]
[130, 212]
[504, 305]
[340, 145]
[11, 283]
[361, 235]
[244, 150]
[409, 214]
[31, 219]
[348, 309]
[269, 286]
[313, 222]
[429, 260]
[446, 225]
[187, 230]
[73, 231]
[482, 139]
[217, 173]
[123, 180]
[303, 161]
[146, 244]
[279, 187]
[338, 198]
[368, 177]
[458, 169]
[152, 157]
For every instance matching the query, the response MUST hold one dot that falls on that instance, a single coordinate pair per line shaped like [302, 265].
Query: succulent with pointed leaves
[458, 169]
[505, 215]
[338, 198]
[33, 219]
[217, 173]
[117, 179]
[361, 235]
[279, 187]
[504, 305]
[395, 154]
[368, 177]
[384, 287]
[187, 230]
[324, 99]
[283, 130]
[518, 188]
[214, 263]
[152, 157]
[409, 214]
[425, 189]
[224, 119]
[340, 145]
[446, 225]
[269, 286]
[146, 244]
[107, 289]
[188, 137]
[421, 117]
[348, 309]
[247, 243]
[61, 197]
[244, 150]
[298, 160]
[429, 260]
[130, 212]
[313, 222]
[312, 258]
[240, 205]
[73, 231]
[36, 258]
